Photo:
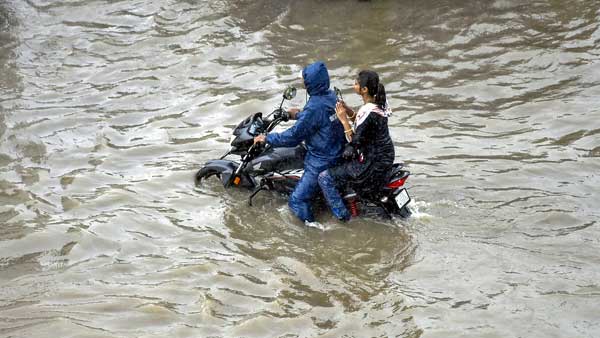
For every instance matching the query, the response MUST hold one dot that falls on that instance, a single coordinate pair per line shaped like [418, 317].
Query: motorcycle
[262, 167]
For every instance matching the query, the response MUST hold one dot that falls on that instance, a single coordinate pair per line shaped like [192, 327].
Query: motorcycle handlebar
[282, 115]
[279, 115]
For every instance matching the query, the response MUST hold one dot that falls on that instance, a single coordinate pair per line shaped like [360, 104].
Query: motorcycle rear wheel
[405, 212]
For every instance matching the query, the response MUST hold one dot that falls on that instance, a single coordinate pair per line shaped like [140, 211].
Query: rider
[321, 131]
[370, 151]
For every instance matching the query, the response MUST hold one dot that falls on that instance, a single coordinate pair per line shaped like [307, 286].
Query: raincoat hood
[316, 125]
[316, 79]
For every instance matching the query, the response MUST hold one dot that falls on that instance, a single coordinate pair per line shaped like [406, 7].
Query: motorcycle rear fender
[398, 171]
[225, 169]
[396, 174]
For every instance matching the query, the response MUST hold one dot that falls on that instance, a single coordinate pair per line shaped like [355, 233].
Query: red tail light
[397, 183]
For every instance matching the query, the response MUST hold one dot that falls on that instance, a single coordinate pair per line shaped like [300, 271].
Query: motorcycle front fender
[224, 169]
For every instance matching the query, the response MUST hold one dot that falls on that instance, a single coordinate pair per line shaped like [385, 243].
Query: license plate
[402, 198]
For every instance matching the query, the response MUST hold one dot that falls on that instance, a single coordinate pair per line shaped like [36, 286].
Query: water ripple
[108, 108]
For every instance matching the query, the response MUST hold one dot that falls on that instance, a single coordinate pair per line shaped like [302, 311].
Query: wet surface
[107, 109]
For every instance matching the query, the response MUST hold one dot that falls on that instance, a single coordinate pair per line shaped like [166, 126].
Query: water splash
[416, 207]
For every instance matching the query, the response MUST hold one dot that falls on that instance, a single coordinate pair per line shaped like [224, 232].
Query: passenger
[370, 151]
[322, 133]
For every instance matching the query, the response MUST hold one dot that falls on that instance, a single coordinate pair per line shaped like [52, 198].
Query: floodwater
[107, 109]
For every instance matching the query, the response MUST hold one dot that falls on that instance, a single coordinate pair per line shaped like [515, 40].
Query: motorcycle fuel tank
[277, 160]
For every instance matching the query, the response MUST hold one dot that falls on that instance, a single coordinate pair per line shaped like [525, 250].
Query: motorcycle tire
[205, 173]
[405, 212]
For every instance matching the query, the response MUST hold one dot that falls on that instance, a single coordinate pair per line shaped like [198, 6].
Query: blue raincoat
[322, 133]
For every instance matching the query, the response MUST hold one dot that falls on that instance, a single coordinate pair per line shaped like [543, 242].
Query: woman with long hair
[369, 154]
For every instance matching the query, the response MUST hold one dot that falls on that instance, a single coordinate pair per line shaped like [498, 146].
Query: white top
[364, 112]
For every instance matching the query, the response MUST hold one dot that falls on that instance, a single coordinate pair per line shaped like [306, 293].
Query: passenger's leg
[333, 197]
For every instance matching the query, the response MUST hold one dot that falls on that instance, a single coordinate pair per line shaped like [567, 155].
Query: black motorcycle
[263, 167]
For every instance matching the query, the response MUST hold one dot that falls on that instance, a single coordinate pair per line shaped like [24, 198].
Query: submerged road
[107, 109]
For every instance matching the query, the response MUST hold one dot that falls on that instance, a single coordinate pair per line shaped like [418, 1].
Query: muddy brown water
[107, 109]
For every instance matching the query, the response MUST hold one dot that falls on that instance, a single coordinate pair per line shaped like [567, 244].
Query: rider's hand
[293, 112]
[261, 138]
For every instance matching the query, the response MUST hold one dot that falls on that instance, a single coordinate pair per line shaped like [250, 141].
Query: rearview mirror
[289, 93]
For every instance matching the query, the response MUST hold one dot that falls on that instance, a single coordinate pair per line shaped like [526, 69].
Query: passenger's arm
[362, 130]
[349, 112]
[342, 114]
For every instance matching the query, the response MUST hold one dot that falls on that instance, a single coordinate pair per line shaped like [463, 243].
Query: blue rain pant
[333, 196]
[304, 193]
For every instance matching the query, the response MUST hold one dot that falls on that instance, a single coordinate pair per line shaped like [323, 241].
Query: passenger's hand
[293, 112]
[351, 114]
[343, 103]
[340, 111]
[261, 138]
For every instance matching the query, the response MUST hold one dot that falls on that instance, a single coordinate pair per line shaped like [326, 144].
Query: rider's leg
[332, 195]
[300, 201]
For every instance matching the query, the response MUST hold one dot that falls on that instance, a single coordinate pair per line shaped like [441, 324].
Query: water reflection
[310, 273]
[11, 81]
[12, 198]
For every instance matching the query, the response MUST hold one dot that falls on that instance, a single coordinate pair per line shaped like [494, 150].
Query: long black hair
[370, 79]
